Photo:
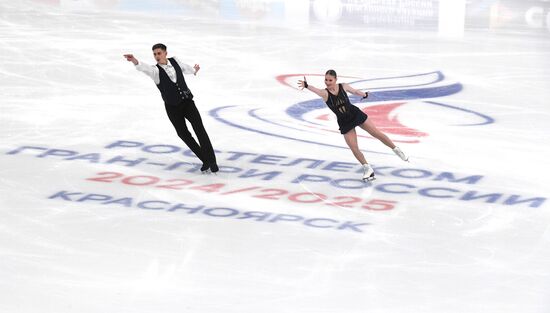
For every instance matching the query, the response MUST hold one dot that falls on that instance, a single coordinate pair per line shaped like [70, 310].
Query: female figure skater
[350, 116]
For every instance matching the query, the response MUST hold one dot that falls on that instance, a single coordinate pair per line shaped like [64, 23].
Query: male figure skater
[178, 101]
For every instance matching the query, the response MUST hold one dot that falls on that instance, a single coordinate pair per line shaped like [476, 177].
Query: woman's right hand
[302, 83]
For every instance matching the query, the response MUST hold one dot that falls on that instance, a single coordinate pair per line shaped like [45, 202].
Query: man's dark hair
[331, 73]
[159, 46]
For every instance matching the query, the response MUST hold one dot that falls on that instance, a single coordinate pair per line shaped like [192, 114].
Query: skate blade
[369, 179]
[206, 172]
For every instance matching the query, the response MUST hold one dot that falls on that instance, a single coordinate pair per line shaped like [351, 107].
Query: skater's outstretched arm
[354, 91]
[320, 92]
[186, 68]
[149, 70]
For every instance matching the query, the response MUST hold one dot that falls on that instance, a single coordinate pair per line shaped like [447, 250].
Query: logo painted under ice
[389, 99]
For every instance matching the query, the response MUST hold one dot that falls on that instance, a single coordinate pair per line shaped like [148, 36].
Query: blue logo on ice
[388, 97]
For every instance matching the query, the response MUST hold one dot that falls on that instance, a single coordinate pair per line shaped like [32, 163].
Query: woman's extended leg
[374, 132]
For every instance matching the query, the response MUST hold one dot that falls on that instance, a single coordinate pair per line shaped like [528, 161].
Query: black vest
[173, 93]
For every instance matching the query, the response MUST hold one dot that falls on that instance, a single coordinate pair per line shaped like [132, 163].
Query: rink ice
[65, 85]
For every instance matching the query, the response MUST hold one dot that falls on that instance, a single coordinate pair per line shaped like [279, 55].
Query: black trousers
[187, 110]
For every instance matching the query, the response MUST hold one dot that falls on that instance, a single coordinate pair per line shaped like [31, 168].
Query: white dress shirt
[153, 71]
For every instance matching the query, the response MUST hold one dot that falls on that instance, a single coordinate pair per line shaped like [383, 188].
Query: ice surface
[100, 213]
